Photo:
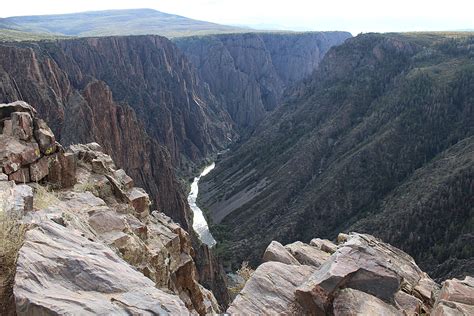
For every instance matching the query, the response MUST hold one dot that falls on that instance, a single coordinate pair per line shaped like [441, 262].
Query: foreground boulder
[60, 272]
[362, 263]
[271, 289]
[456, 298]
[360, 276]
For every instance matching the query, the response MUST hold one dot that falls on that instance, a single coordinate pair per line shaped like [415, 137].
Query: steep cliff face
[78, 85]
[383, 127]
[156, 80]
[249, 72]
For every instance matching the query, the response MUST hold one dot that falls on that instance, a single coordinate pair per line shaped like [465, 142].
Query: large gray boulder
[270, 290]
[278, 253]
[354, 302]
[456, 298]
[369, 265]
[60, 272]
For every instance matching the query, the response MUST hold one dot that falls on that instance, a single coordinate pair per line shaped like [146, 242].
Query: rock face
[133, 95]
[249, 72]
[361, 146]
[61, 272]
[362, 276]
[456, 298]
[115, 255]
[28, 149]
[270, 290]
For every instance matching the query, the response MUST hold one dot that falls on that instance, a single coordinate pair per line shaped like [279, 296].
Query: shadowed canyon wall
[248, 73]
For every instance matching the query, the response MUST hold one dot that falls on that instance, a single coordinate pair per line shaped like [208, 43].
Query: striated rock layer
[77, 276]
[360, 276]
[248, 73]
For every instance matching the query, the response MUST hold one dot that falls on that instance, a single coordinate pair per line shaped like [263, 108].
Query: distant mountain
[116, 22]
[10, 31]
[379, 140]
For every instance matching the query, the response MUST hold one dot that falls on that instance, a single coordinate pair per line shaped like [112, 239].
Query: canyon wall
[248, 73]
[136, 96]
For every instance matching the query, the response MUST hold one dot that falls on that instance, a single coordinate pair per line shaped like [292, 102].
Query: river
[199, 221]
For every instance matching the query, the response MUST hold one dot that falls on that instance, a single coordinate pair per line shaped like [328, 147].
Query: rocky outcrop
[249, 72]
[100, 228]
[61, 272]
[28, 149]
[368, 265]
[361, 276]
[456, 298]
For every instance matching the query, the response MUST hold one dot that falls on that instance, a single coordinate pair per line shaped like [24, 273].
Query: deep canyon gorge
[178, 160]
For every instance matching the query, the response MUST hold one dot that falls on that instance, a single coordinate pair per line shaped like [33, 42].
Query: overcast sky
[354, 16]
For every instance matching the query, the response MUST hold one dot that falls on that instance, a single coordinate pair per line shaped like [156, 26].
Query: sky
[300, 15]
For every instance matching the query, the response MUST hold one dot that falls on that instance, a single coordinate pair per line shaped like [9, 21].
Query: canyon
[145, 104]
[378, 140]
[340, 168]
[248, 73]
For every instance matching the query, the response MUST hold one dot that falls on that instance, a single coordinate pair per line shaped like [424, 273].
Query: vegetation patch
[243, 275]
[44, 198]
[12, 233]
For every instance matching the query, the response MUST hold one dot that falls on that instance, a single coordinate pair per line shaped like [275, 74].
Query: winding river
[199, 221]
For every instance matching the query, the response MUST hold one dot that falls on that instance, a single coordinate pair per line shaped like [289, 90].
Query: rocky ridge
[360, 275]
[92, 243]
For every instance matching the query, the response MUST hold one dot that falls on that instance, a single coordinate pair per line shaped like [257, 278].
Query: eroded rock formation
[93, 245]
[360, 276]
